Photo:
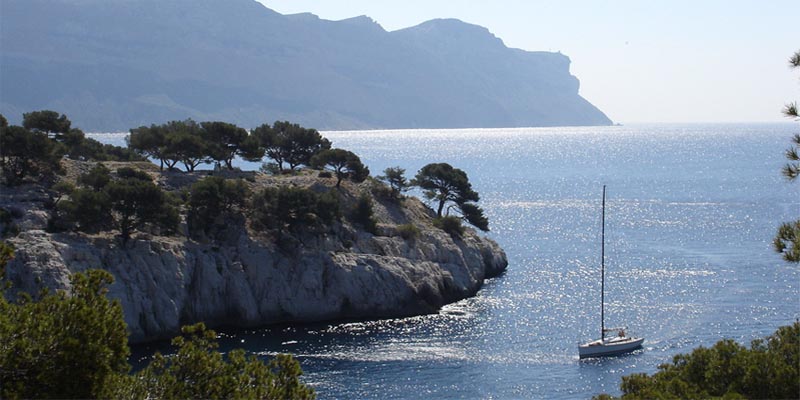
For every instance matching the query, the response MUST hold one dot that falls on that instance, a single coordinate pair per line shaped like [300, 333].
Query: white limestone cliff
[165, 282]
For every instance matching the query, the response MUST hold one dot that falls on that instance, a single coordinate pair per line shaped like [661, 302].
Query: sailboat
[619, 342]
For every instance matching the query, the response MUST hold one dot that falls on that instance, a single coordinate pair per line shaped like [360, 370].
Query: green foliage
[451, 225]
[364, 215]
[251, 149]
[212, 198]
[769, 369]
[133, 173]
[97, 178]
[289, 208]
[443, 183]
[787, 240]
[137, 202]
[198, 371]
[393, 176]
[7, 225]
[62, 346]
[3, 121]
[224, 141]
[792, 169]
[129, 202]
[78, 147]
[173, 142]
[192, 144]
[29, 152]
[26, 154]
[6, 254]
[47, 122]
[474, 215]
[76, 347]
[408, 231]
[344, 163]
[285, 142]
[151, 142]
[88, 210]
[185, 143]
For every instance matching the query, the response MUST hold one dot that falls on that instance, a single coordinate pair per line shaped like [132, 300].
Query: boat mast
[603, 270]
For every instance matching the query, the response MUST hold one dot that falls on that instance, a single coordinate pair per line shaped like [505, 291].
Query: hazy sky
[637, 60]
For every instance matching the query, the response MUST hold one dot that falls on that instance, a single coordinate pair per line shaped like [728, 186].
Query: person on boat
[621, 333]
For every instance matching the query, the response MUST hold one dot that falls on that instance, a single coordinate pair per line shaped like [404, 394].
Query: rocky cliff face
[116, 65]
[165, 282]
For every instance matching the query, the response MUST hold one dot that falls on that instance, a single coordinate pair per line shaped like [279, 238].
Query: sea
[691, 211]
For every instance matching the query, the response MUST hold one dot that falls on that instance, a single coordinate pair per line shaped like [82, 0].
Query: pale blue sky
[637, 60]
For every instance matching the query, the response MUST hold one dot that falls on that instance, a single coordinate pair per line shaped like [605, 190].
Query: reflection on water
[691, 213]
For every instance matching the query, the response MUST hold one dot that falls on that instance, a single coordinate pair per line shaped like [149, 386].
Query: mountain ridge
[117, 65]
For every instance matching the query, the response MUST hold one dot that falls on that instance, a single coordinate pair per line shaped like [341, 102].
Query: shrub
[87, 210]
[211, 198]
[97, 178]
[289, 208]
[769, 369]
[63, 346]
[328, 209]
[199, 371]
[76, 346]
[7, 225]
[26, 154]
[451, 225]
[408, 231]
[129, 202]
[394, 177]
[363, 214]
[342, 162]
[382, 191]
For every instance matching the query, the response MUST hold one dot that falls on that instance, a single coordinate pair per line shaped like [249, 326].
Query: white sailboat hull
[609, 347]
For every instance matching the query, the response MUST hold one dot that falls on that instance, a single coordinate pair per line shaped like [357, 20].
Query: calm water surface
[691, 211]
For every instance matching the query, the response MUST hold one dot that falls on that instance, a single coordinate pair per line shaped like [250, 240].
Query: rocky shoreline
[165, 282]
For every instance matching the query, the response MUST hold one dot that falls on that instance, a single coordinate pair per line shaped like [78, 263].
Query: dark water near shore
[690, 215]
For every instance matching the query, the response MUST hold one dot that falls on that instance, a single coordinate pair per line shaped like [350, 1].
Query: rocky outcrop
[165, 282]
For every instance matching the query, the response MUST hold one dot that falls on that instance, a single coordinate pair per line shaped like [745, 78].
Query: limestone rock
[163, 283]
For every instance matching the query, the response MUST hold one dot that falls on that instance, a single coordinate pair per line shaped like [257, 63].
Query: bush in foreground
[75, 346]
[769, 369]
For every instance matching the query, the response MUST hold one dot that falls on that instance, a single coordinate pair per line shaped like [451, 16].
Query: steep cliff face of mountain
[248, 279]
[114, 65]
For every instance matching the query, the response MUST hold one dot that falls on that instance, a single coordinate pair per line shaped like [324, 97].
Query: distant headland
[112, 65]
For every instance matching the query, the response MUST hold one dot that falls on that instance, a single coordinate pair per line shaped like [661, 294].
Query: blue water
[691, 211]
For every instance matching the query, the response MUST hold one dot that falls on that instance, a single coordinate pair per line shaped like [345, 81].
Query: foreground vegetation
[787, 240]
[769, 369]
[76, 346]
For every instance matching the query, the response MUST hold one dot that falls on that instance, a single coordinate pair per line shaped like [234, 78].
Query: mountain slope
[117, 64]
